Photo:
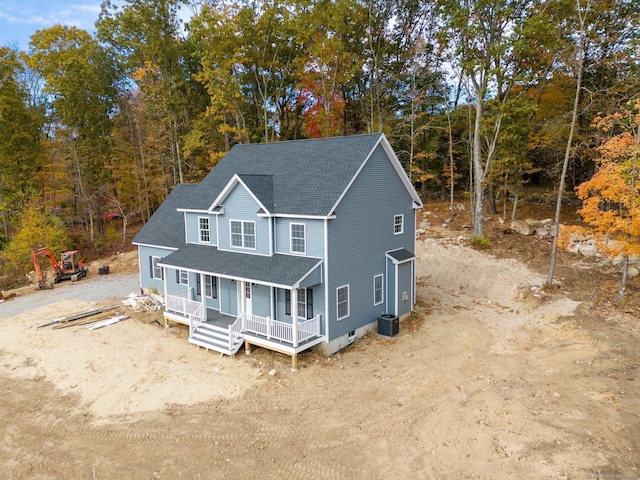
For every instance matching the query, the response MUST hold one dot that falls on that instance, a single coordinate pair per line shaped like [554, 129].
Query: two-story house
[286, 245]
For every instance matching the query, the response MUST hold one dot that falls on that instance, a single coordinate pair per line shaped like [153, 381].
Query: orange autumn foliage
[610, 202]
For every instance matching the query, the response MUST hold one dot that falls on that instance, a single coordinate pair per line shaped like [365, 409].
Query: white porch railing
[282, 331]
[196, 319]
[309, 328]
[235, 332]
[179, 302]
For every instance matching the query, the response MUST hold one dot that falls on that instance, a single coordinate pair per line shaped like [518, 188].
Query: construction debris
[144, 303]
[107, 322]
[77, 316]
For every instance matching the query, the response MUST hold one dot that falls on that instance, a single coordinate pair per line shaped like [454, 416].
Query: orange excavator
[70, 267]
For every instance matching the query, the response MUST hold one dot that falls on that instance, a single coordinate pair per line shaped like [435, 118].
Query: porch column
[240, 301]
[294, 315]
[165, 286]
[203, 295]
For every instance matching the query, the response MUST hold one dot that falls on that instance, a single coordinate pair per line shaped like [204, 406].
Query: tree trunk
[567, 152]
[491, 194]
[478, 175]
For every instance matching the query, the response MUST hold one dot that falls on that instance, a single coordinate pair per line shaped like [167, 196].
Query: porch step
[215, 338]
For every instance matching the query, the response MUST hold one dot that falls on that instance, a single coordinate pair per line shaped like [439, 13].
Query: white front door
[247, 294]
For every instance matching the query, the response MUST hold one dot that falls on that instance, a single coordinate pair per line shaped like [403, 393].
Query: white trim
[191, 210]
[157, 265]
[231, 184]
[186, 230]
[396, 289]
[338, 317]
[308, 217]
[395, 261]
[241, 279]
[156, 246]
[203, 281]
[401, 216]
[255, 235]
[200, 230]
[304, 238]
[400, 170]
[381, 276]
[311, 270]
[326, 279]
[271, 237]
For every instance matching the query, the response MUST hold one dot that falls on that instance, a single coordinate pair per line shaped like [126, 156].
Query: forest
[482, 100]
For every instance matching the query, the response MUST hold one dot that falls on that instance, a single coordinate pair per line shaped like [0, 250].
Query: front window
[342, 300]
[302, 303]
[377, 290]
[298, 238]
[203, 227]
[211, 286]
[243, 234]
[183, 277]
[398, 224]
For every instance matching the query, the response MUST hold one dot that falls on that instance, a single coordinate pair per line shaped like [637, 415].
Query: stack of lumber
[88, 317]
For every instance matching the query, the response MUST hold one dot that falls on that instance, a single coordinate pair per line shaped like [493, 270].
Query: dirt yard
[494, 378]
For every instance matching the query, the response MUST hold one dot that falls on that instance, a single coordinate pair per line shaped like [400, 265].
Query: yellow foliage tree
[36, 229]
[610, 201]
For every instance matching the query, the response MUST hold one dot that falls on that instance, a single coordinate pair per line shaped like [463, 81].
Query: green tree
[20, 148]
[81, 77]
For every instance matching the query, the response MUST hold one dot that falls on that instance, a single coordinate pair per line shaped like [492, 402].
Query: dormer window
[243, 234]
[204, 229]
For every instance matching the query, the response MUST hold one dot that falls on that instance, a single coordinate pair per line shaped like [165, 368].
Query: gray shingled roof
[308, 175]
[165, 228]
[262, 187]
[285, 270]
[401, 255]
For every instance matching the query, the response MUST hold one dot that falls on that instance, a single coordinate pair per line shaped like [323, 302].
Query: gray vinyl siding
[240, 205]
[193, 227]
[146, 281]
[404, 285]
[314, 236]
[261, 304]
[360, 235]
[212, 302]
[228, 297]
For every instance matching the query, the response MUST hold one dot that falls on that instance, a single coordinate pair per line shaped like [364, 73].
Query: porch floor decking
[214, 317]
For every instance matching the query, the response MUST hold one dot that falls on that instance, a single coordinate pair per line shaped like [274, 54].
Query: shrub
[481, 243]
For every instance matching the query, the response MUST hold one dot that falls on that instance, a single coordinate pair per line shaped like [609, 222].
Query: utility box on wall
[388, 325]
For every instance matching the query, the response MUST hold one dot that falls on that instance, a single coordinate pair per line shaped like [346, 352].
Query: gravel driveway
[91, 289]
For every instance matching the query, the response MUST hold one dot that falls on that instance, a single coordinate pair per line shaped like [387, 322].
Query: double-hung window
[298, 244]
[243, 234]
[398, 224]
[342, 301]
[204, 229]
[211, 286]
[182, 277]
[155, 270]
[377, 289]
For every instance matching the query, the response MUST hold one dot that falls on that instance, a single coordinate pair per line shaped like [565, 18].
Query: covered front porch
[232, 298]
[288, 338]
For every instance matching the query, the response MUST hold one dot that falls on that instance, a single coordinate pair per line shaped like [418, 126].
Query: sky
[19, 19]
